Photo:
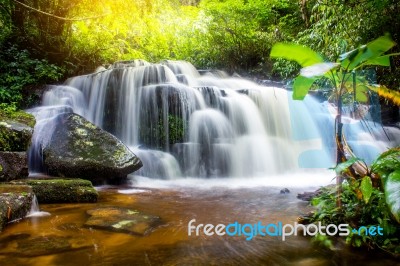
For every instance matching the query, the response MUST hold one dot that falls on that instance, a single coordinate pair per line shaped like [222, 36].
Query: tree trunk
[304, 12]
[340, 157]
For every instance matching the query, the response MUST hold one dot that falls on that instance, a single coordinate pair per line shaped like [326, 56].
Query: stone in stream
[122, 220]
[78, 148]
[63, 190]
[15, 202]
[26, 246]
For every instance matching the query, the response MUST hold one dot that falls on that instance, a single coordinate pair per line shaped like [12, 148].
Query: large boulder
[16, 130]
[13, 165]
[78, 148]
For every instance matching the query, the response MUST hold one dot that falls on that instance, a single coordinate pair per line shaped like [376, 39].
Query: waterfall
[185, 124]
[35, 211]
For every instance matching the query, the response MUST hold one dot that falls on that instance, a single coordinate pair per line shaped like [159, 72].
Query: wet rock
[284, 191]
[15, 131]
[80, 149]
[15, 202]
[44, 245]
[69, 227]
[5, 241]
[130, 63]
[308, 196]
[63, 190]
[163, 121]
[311, 262]
[306, 218]
[122, 220]
[13, 165]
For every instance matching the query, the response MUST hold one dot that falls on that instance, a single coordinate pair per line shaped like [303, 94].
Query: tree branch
[57, 17]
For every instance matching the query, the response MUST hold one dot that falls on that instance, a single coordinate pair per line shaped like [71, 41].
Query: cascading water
[35, 211]
[183, 124]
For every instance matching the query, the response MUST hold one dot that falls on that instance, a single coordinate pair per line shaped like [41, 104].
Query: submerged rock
[80, 149]
[26, 246]
[15, 202]
[63, 190]
[122, 220]
[13, 165]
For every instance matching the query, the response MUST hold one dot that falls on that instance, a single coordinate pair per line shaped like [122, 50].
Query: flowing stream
[62, 238]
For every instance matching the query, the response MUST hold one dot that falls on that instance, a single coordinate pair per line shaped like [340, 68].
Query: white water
[183, 124]
[310, 179]
[35, 211]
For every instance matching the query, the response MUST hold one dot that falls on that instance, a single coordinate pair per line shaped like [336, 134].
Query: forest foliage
[46, 40]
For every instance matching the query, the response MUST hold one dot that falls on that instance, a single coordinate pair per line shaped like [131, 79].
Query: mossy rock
[122, 220]
[18, 116]
[15, 202]
[13, 165]
[80, 149]
[63, 190]
[16, 130]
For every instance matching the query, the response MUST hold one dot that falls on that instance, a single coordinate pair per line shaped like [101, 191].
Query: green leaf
[345, 165]
[380, 61]
[301, 86]
[392, 193]
[318, 69]
[387, 162]
[366, 188]
[302, 55]
[370, 51]
[361, 94]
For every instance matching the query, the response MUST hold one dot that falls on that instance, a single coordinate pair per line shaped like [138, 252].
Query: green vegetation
[176, 130]
[164, 134]
[371, 198]
[9, 112]
[44, 41]
[19, 70]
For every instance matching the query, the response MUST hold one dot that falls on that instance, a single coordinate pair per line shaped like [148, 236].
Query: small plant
[369, 198]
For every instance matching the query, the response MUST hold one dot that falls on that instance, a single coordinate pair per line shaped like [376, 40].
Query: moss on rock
[79, 148]
[122, 220]
[18, 116]
[63, 190]
[16, 130]
[15, 202]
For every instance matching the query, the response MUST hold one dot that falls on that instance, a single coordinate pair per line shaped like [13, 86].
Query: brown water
[170, 244]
